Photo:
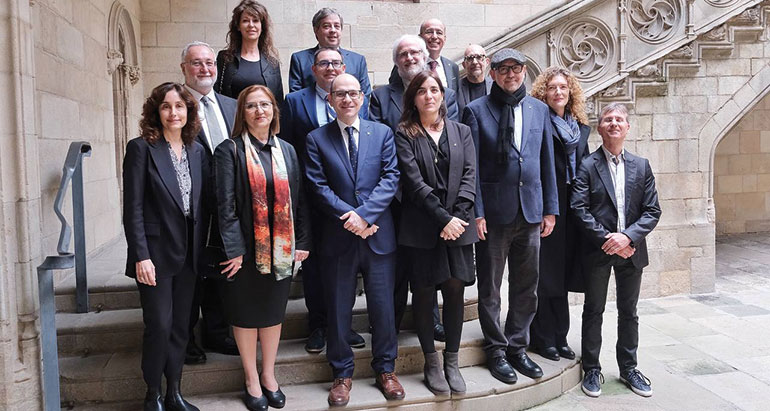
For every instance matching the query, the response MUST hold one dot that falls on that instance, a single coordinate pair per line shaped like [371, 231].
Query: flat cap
[506, 54]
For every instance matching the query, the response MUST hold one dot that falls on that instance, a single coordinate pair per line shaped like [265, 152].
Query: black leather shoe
[275, 399]
[253, 403]
[438, 332]
[501, 369]
[550, 353]
[566, 352]
[194, 354]
[153, 400]
[355, 340]
[174, 400]
[523, 364]
[226, 346]
[316, 341]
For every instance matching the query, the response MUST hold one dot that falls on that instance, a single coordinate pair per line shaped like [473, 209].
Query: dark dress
[253, 299]
[236, 75]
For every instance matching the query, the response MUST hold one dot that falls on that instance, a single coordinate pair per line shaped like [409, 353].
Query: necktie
[330, 114]
[215, 133]
[432, 65]
[352, 150]
[614, 160]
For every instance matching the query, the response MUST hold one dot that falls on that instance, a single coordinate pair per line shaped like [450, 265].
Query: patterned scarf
[569, 132]
[278, 258]
[507, 123]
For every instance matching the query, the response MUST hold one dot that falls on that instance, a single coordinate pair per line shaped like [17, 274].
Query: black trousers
[628, 280]
[207, 300]
[551, 323]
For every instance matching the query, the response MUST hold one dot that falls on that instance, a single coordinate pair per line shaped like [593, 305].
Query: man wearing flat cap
[516, 204]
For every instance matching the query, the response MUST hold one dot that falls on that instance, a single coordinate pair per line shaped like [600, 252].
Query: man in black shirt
[475, 84]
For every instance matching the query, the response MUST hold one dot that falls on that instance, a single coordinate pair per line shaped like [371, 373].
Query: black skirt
[255, 300]
[432, 266]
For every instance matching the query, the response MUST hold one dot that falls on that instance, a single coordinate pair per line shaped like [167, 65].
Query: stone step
[483, 393]
[121, 330]
[117, 376]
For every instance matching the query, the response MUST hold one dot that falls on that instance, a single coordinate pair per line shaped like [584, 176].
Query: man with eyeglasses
[475, 84]
[304, 111]
[216, 113]
[327, 26]
[353, 175]
[516, 204]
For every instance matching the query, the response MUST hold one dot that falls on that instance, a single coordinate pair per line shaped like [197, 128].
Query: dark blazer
[337, 192]
[236, 220]
[464, 94]
[451, 71]
[298, 118]
[301, 75]
[559, 265]
[227, 106]
[153, 214]
[527, 179]
[387, 104]
[225, 73]
[419, 227]
[595, 210]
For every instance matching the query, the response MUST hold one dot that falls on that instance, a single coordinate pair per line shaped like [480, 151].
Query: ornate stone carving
[720, 3]
[655, 21]
[615, 90]
[587, 48]
[717, 34]
[550, 38]
[650, 70]
[133, 73]
[114, 59]
[749, 16]
[684, 52]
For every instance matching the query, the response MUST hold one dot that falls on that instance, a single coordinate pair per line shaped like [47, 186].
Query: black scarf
[506, 125]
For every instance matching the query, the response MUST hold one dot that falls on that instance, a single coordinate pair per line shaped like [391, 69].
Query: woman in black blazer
[437, 227]
[265, 228]
[163, 177]
[250, 57]
[560, 270]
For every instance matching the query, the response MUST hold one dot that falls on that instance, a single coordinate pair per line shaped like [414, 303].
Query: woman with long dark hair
[163, 177]
[265, 228]
[560, 270]
[438, 226]
[250, 57]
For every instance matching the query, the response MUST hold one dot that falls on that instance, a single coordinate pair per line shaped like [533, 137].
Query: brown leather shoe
[339, 394]
[388, 383]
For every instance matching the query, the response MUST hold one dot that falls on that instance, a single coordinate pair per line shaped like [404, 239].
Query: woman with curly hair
[559, 266]
[163, 177]
[250, 57]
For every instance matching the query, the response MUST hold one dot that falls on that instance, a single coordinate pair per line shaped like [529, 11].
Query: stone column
[20, 214]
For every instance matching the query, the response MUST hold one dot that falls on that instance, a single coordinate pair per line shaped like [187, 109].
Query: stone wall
[742, 174]
[370, 27]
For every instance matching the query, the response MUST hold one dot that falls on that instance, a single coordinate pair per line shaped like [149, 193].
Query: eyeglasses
[471, 57]
[198, 63]
[341, 94]
[326, 63]
[507, 69]
[411, 53]
[430, 32]
[264, 105]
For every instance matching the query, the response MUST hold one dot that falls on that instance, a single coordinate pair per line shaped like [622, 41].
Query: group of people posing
[429, 183]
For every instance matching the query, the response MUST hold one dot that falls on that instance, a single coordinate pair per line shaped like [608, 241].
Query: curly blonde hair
[577, 101]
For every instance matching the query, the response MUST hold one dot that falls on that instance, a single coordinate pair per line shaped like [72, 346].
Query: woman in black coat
[265, 229]
[437, 226]
[163, 176]
[560, 270]
[250, 56]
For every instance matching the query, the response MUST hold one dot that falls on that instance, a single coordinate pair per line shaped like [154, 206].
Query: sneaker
[638, 383]
[592, 382]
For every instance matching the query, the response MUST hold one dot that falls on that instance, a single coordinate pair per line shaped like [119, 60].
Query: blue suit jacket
[301, 76]
[298, 118]
[336, 191]
[387, 104]
[528, 178]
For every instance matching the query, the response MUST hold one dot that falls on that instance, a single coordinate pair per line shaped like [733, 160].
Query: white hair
[196, 43]
[413, 38]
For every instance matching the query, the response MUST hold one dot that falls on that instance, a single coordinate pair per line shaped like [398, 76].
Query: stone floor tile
[703, 365]
[744, 310]
[724, 348]
[694, 310]
[741, 389]
[672, 352]
[676, 326]
[757, 367]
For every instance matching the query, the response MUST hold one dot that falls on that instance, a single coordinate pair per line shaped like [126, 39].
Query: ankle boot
[174, 400]
[152, 400]
[452, 372]
[434, 378]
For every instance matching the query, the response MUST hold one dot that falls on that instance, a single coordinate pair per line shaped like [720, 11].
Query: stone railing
[613, 46]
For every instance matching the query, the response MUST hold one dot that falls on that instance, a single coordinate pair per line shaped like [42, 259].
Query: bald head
[433, 32]
[475, 62]
[346, 97]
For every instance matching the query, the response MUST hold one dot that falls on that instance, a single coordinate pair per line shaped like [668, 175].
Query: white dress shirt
[618, 173]
[517, 126]
[439, 70]
[356, 129]
[320, 106]
[202, 114]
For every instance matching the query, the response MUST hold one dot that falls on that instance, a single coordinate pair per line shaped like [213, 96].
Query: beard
[204, 83]
[408, 74]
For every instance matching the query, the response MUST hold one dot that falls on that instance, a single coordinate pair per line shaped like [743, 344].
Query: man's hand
[300, 255]
[481, 228]
[627, 252]
[615, 242]
[145, 272]
[355, 224]
[546, 226]
[369, 231]
[453, 229]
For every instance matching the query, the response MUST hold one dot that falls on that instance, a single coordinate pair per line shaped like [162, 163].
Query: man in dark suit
[353, 175]
[475, 84]
[304, 111]
[327, 25]
[216, 113]
[516, 204]
[615, 204]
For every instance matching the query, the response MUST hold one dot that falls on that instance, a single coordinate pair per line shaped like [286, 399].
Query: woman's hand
[453, 229]
[145, 272]
[300, 255]
[232, 266]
